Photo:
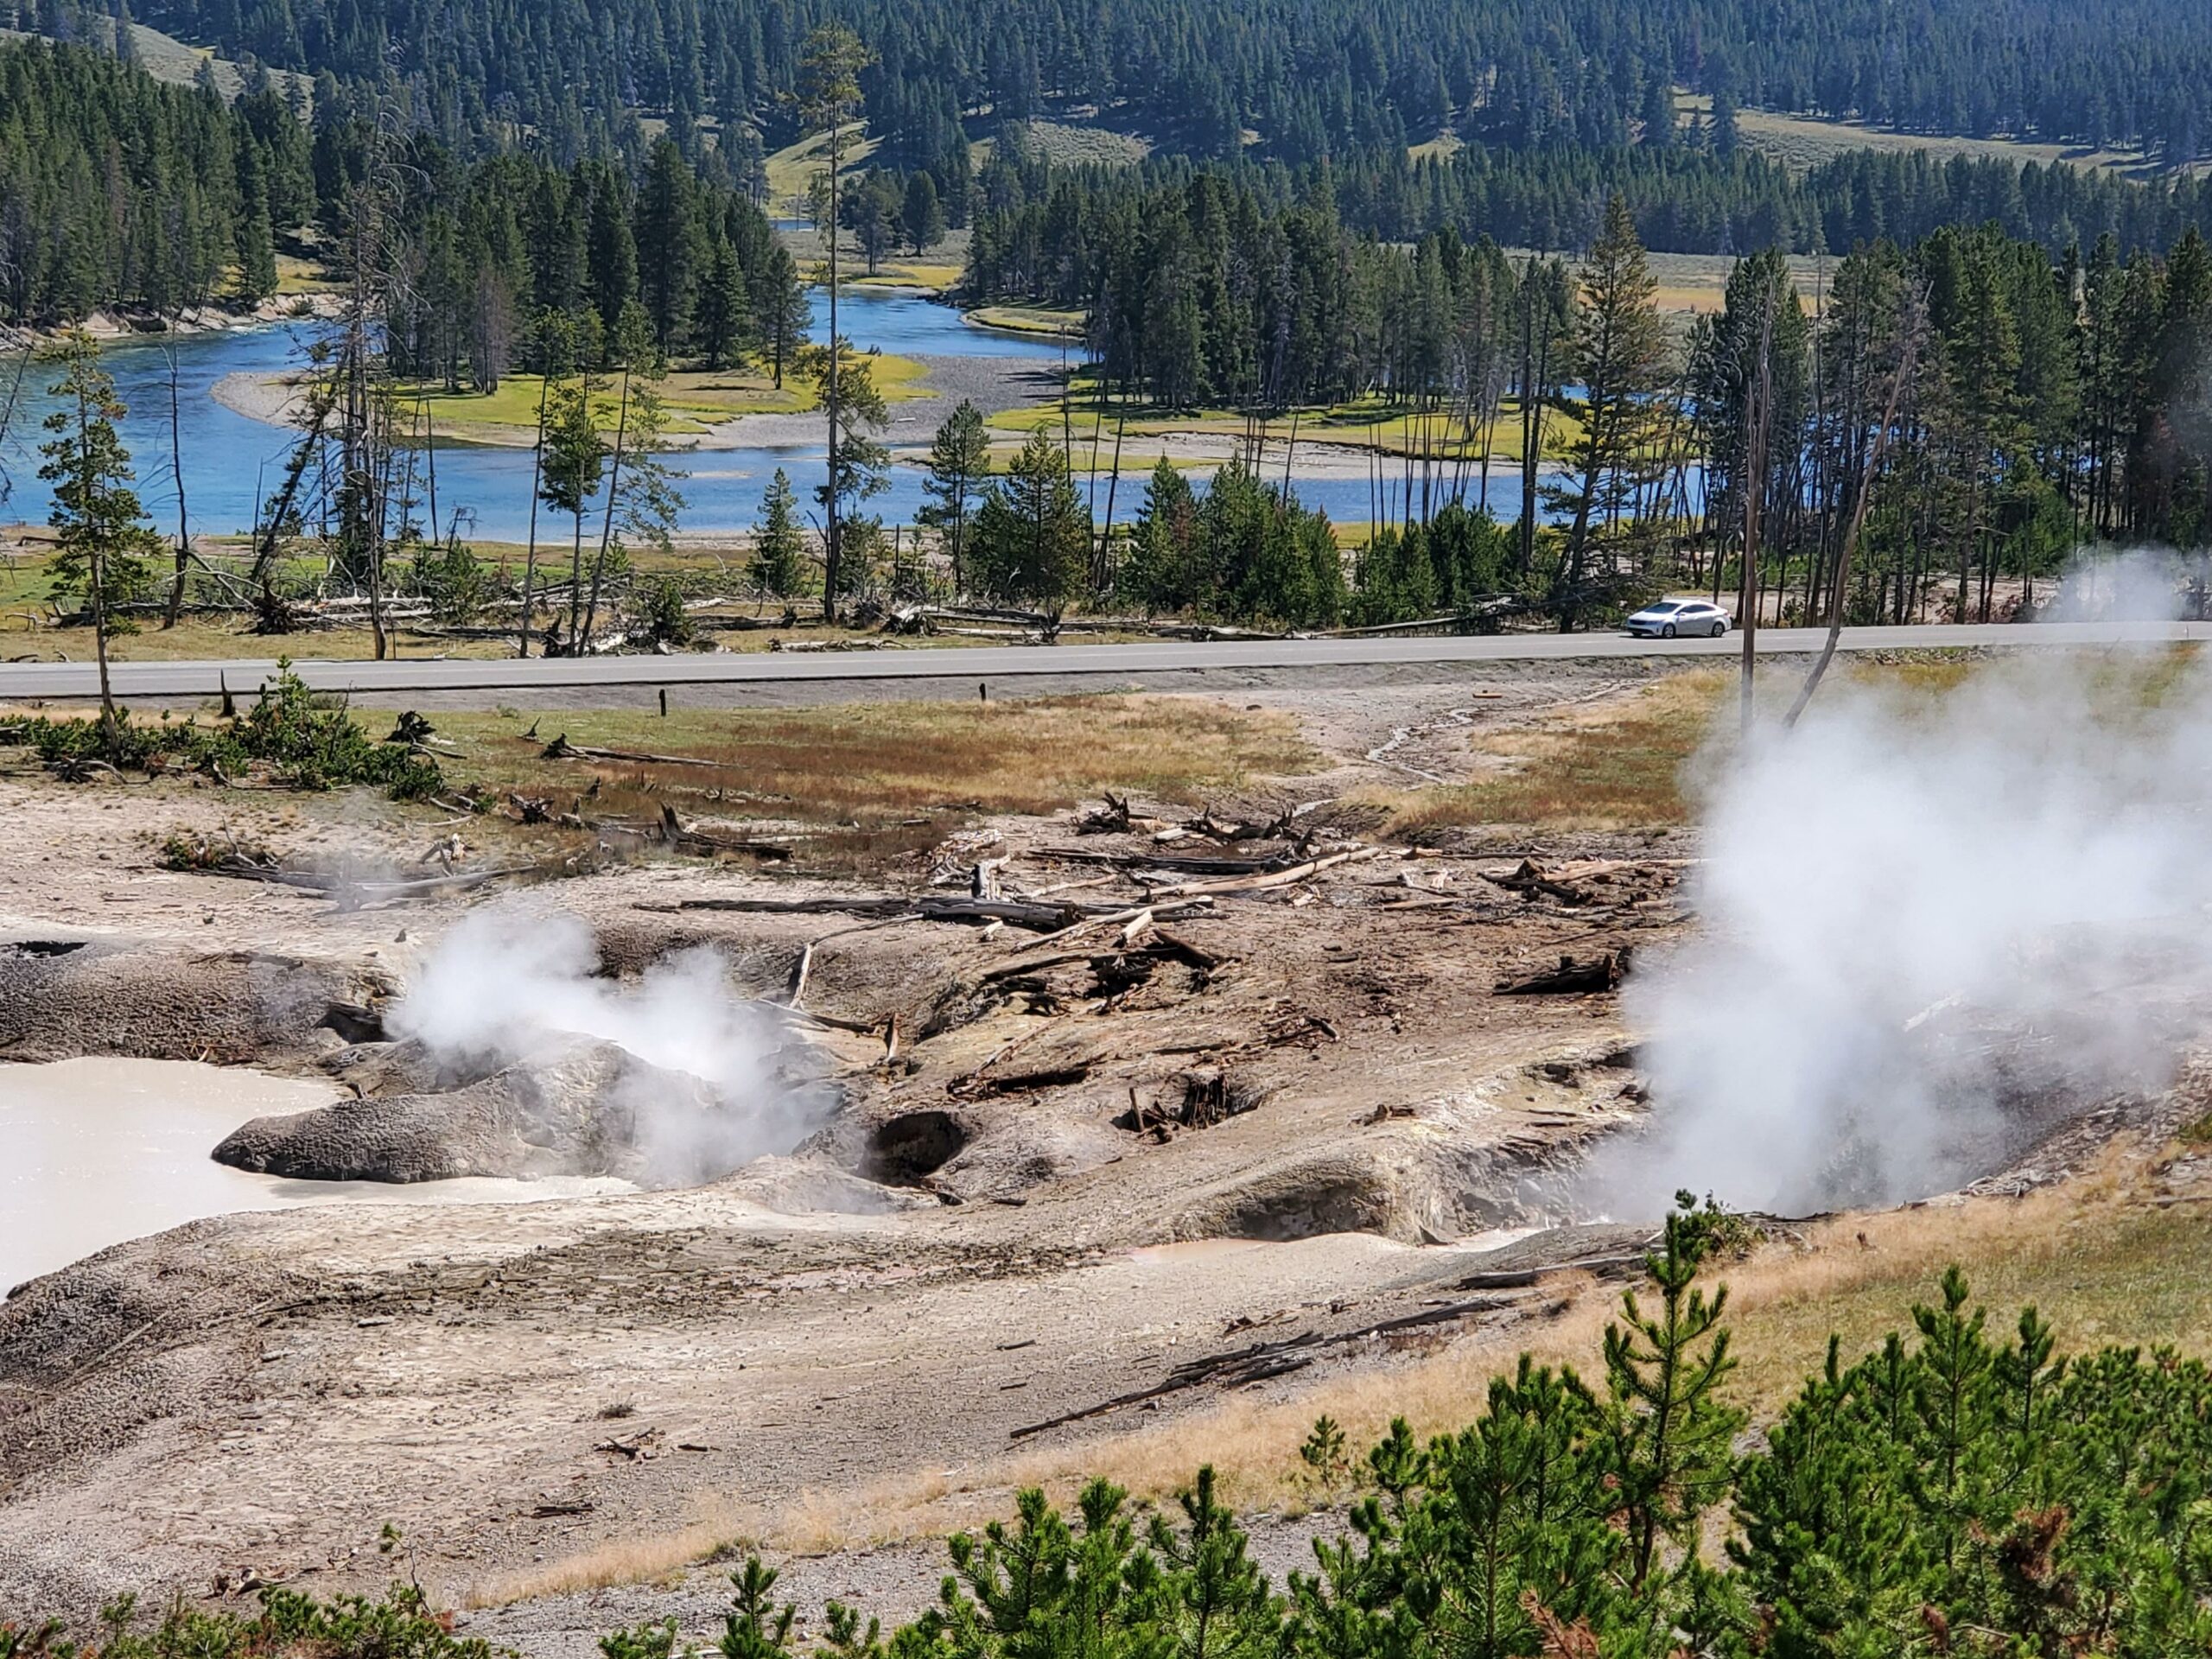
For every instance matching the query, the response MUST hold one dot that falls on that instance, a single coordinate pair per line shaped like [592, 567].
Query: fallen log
[1179, 864]
[859, 904]
[1276, 879]
[699, 837]
[561, 749]
[1601, 973]
[1042, 914]
[1162, 945]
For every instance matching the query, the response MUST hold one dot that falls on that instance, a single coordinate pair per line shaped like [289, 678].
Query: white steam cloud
[1927, 932]
[504, 988]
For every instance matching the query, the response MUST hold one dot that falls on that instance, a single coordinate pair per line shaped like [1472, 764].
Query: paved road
[20, 681]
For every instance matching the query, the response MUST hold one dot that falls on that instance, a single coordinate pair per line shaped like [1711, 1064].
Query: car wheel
[1667, 632]
[1720, 628]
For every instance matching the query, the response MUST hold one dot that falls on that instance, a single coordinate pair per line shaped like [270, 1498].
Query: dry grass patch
[1610, 765]
[859, 784]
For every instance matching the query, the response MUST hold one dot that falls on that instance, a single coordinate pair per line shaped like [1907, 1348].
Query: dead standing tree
[1757, 414]
[829, 101]
[1912, 322]
[361, 404]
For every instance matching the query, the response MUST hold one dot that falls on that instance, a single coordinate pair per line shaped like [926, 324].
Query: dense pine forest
[2007, 362]
[1301, 81]
[117, 190]
[1926, 424]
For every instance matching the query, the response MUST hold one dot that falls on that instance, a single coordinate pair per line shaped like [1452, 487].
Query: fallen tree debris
[1603, 972]
[1273, 879]
[561, 749]
[352, 892]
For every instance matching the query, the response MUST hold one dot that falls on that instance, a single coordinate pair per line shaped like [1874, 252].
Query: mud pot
[101, 1151]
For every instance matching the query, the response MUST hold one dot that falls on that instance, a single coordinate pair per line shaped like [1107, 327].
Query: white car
[1691, 619]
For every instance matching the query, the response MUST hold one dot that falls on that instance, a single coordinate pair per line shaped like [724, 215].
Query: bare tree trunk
[1852, 529]
[176, 469]
[536, 478]
[1113, 484]
[1754, 491]
[832, 543]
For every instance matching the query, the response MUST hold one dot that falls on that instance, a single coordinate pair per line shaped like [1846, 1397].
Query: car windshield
[1665, 605]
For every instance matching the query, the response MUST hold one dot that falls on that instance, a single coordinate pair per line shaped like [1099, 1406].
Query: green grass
[1365, 424]
[1616, 766]
[791, 168]
[696, 400]
[1039, 320]
[1802, 142]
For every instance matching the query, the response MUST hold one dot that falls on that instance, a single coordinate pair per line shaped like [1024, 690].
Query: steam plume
[503, 987]
[1926, 929]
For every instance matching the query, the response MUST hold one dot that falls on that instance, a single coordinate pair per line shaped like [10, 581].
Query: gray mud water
[93, 1152]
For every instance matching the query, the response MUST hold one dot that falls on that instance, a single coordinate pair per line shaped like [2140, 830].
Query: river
[99, 1151]
[231, 460]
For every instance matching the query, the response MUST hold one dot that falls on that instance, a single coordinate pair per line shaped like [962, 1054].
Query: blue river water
[231, 462]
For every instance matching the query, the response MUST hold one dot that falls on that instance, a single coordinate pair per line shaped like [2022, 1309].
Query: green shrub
[308, 740]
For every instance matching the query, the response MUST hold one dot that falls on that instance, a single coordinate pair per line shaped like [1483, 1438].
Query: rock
[589, 1110]
[802, 1186]
[60, 999]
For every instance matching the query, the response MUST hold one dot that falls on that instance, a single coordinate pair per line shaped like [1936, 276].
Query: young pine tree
[778, 548]
[575, 457]
[959, 464]
[102, 548]
[1668, 1431]
[1032, 537]
[782, 313]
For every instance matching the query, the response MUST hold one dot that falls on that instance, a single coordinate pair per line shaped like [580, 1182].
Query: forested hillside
[117, 190]
[1301, 79]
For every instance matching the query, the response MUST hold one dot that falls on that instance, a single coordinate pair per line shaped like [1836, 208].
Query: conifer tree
[725, 311]
[575, 459]
[778, 548]
[781, 312]
[1620, 349]
[921, 215]
[829, 101]
[102, 545]
[1032, 537]
[1668, 1431]
[959, 464]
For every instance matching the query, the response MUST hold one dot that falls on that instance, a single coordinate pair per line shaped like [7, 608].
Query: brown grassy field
[850, 787]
